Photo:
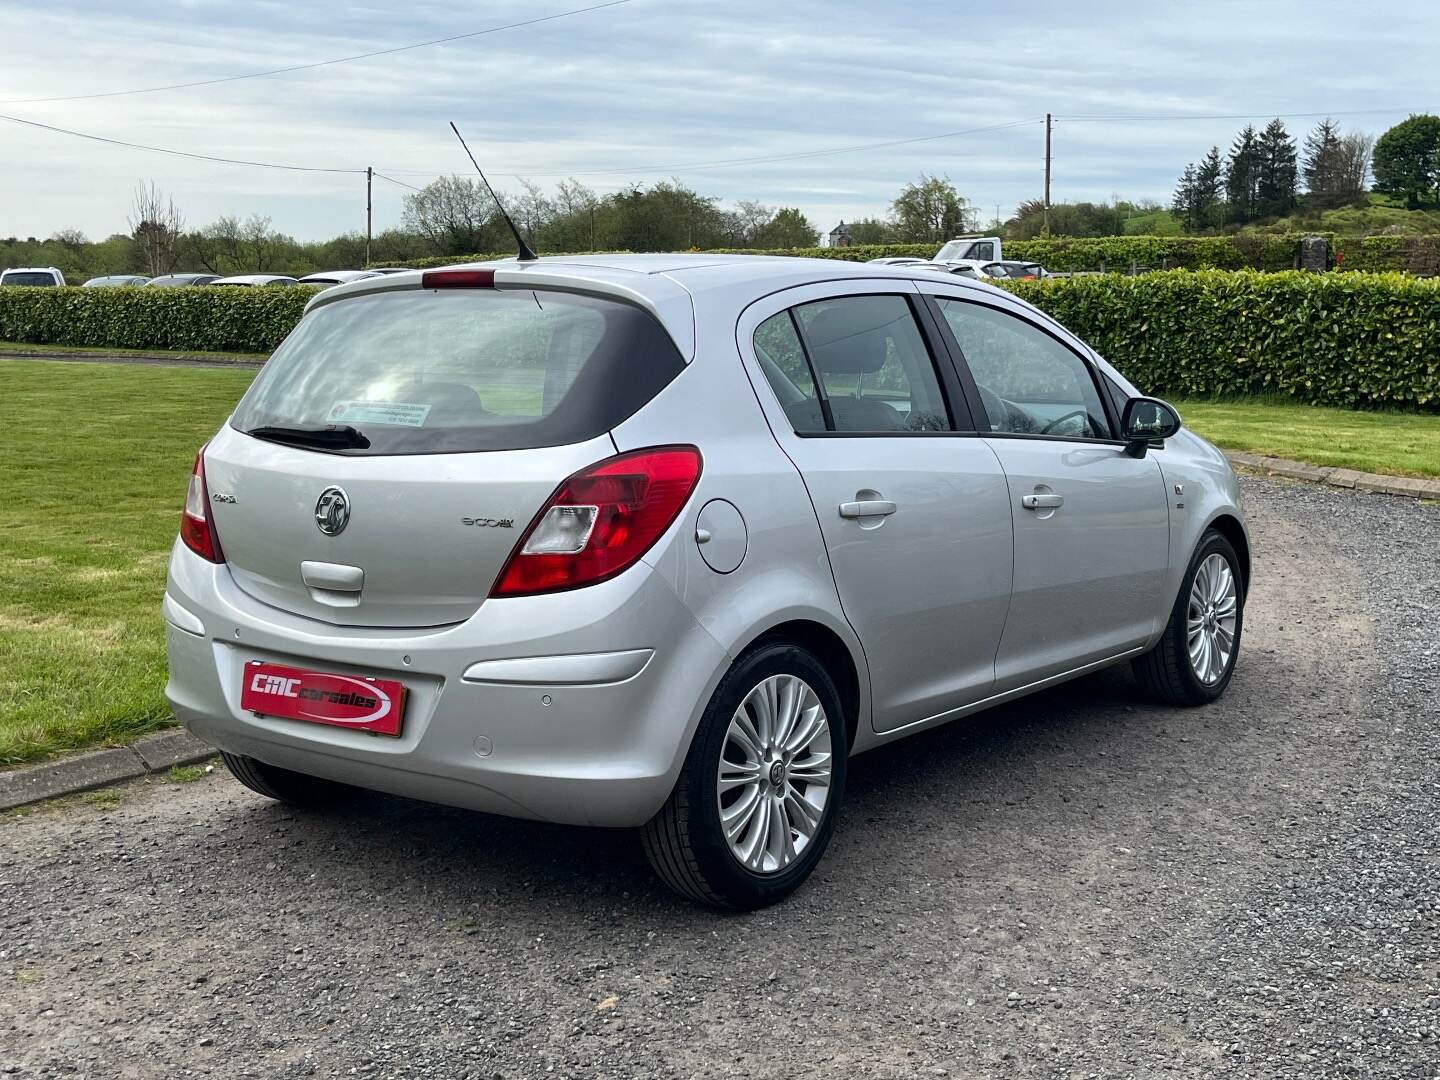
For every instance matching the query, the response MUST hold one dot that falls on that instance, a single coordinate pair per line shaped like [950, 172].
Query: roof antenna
[526, 255]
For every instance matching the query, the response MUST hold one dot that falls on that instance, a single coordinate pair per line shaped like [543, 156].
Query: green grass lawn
[26, 347]
[1402, 444]
[95, 462]
[94, 459]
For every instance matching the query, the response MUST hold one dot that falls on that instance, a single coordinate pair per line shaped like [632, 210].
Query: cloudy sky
[649, 89]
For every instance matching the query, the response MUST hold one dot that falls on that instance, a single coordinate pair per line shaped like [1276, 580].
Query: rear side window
[782, 359]
[852, 364]
[450, 371]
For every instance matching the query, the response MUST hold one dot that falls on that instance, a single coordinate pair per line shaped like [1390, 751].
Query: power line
[763, 160]
[174, 153]
[399, 183]
[322, 63]
[1137, 117]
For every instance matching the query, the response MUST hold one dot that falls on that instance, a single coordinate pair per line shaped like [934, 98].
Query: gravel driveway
[1079, 885]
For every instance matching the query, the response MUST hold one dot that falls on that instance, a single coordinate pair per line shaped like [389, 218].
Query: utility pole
[1049, 123]
[369, 183]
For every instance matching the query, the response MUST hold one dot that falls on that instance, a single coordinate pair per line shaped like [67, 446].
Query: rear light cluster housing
[197, 527]
[600, 521]
[597, 524]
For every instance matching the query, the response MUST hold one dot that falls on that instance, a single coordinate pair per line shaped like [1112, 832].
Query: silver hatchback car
[661, 541]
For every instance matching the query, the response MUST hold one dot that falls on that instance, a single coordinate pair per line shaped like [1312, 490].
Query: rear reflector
[458, 279]
[197, 528]
[600, 521]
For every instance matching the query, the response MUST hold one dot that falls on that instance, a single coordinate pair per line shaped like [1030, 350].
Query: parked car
[531, 538]
[1009, 270]
[338, 277]
[1015, 271]
[391, 270]
[115, 280]
[32, 276]
[255, 279]
[170, 281]
[980, 248]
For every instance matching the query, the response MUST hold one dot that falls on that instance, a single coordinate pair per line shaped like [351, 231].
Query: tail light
[601, 520]
[197, 527]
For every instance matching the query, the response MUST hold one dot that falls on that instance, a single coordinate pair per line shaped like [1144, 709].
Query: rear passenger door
[1092, 537]
[912, 505]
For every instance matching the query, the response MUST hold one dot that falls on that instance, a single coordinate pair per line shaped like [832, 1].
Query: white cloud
[655, 85]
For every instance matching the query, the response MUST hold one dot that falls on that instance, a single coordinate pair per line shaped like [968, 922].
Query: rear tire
[756, 802]
[284, 785]
[1169, 671]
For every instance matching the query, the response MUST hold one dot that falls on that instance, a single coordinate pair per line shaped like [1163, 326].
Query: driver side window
[1029, 383]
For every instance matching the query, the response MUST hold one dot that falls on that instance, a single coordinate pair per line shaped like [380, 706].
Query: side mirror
[1146, 420]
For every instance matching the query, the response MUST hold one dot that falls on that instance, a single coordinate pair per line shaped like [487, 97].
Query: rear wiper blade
[342, 437]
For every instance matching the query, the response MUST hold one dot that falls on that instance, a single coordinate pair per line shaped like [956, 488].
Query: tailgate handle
[334, 576]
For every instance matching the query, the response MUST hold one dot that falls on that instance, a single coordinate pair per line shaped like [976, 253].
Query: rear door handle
[1042, 502]
[867, 508]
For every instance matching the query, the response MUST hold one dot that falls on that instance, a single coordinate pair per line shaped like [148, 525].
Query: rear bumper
[575, 707]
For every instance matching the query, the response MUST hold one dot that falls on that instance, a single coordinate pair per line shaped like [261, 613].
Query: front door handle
[867, 508]
[1042, 502]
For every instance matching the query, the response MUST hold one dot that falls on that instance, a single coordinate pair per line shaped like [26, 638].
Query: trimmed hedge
[1353, 340]
[1329, 339]
[224, 319]
[1255, 251]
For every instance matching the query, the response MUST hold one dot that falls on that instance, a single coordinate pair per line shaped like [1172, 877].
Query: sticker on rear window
[379, 412]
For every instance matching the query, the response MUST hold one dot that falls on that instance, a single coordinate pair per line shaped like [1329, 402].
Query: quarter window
[782, 359]
[1029, 383]
[852, 364]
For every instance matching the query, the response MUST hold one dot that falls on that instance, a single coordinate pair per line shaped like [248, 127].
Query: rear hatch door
[396, 447]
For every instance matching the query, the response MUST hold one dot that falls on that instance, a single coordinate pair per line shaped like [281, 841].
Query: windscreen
[20, 278]
[456, 370]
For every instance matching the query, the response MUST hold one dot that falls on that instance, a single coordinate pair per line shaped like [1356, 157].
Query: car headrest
[450, 402]
[851, 338]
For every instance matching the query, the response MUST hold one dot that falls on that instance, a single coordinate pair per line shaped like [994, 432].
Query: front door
[1092, 537]
[914, 511]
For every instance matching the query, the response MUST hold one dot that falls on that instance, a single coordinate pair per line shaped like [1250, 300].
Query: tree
[1406, 159]
[789, 228]
[1186, 202]
[1354, 166]
[156, 225]
[1210, 190]
[454, 215]
[1322, 164]
[928, 211]
[750, 218]
[872, 230]
[1278, 172]
[1242, 175]
[532, 211]
[573, 227]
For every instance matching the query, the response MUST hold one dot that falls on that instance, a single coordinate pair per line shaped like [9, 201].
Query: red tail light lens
[197, 528]
[458, 279]
[600, 521]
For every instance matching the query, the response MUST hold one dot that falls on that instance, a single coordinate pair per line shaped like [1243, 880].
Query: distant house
[840, 236]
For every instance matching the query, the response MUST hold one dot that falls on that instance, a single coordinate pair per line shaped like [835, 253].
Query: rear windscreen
[449, 371]
[27, 279]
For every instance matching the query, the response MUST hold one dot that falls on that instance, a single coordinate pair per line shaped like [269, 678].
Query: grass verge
[96, 458]
[26, 348]
[1399, 444]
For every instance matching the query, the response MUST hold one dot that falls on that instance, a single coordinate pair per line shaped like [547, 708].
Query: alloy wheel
[1210, 619]
[773, 779]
